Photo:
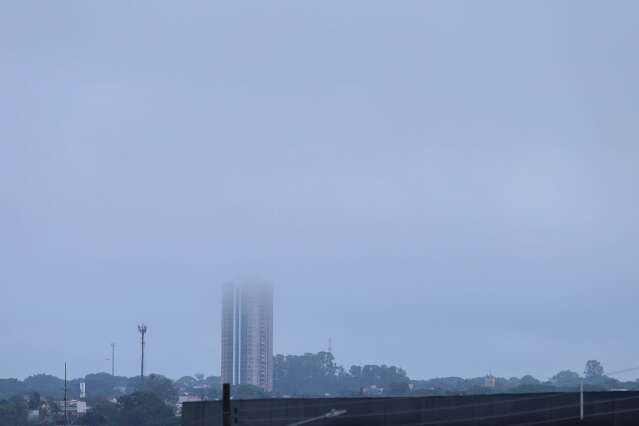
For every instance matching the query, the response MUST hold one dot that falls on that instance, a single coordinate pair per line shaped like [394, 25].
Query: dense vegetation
[137, 409]
[318, 374]
[13, 412]
[130, 401]
[99, 386]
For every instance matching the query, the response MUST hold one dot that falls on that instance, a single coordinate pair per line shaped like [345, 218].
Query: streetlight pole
[581, 400]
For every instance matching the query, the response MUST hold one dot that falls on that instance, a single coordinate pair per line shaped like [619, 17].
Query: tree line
[131, 401]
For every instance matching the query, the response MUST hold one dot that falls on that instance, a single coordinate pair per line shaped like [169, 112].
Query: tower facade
[247, 335]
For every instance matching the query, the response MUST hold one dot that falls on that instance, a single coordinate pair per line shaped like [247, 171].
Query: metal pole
[66, 418]
[226, 404]
[142, 329]
[581, 400]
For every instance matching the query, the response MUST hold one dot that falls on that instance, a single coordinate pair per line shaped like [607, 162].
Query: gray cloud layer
[448, 186]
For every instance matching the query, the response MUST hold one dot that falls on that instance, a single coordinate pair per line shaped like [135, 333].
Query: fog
[447, 186]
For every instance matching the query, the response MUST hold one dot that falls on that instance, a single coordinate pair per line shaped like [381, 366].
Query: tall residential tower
[247, 335]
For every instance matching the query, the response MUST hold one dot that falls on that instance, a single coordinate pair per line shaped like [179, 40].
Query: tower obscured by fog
[247, 334]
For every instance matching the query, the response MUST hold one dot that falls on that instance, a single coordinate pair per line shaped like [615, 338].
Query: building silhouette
[247, 335]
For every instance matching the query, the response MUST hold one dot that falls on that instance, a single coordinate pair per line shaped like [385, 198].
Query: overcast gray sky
[448, 186]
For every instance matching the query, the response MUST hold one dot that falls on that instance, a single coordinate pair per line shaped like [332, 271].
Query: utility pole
[581, 400]
[113, 359]
[66, 415]
[142, 329]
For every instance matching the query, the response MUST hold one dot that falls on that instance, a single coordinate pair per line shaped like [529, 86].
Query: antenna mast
[66, 404]
[113, 359]
[142, 329]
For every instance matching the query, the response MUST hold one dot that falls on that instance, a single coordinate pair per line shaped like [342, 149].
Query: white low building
[73, 407]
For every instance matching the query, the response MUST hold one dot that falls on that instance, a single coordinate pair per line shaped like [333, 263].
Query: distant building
[247, 335]
[33, 416]
[73, 408]
[490, 382]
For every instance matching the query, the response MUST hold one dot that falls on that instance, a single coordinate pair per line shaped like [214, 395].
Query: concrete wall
[474, 410]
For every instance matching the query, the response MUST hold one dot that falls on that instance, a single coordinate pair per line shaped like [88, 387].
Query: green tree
[566, 378]
[104, 386]
[10, 387]
[13, 412]
[186, 384]
[307, 374]
[8, 413]
[34, 401]
[144, 409]
[529, 380]
[355, 371]
[104, 413]
[318, 374]
[157, 384]
[374, 375]
[248, 392]
[47, 385]
[593, 369]
[94, 419]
